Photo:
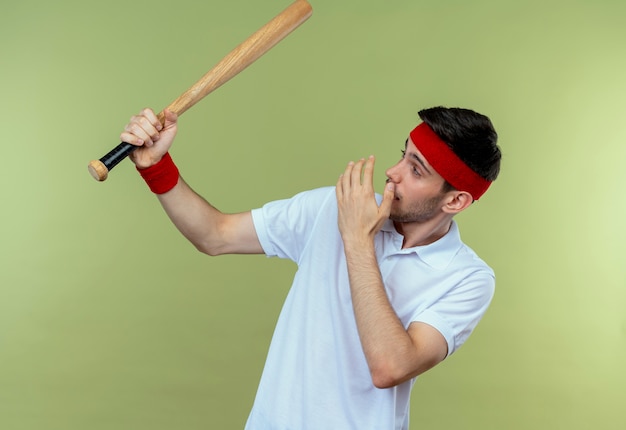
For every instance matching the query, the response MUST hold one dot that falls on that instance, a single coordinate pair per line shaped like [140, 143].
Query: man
[385, 289]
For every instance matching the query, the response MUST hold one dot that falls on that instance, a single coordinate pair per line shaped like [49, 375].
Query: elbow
[211, 252]
[385, 375]
[213, 241]
[383, 381]
[388, 374]
[208, 249]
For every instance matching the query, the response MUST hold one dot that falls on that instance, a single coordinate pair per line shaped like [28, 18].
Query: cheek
[420, 189]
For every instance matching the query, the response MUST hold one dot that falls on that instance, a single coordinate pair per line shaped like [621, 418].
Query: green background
[111, 320]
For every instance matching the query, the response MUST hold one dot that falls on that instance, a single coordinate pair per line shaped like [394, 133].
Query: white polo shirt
[316, 376]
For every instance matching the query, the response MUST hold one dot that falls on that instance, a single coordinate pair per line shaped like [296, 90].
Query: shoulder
[305, 200]
[284, 227]
[297, 212]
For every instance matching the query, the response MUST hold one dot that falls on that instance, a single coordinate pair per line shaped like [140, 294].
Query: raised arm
[208, 229]
[394, 354]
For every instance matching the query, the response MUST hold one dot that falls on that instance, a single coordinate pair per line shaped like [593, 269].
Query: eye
[414, 168]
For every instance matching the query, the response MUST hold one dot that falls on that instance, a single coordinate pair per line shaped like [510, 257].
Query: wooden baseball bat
[234, 62]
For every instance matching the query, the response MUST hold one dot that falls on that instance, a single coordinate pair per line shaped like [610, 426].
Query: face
[418, 195]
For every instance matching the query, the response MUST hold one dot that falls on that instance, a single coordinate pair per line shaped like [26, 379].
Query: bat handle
[99, 169]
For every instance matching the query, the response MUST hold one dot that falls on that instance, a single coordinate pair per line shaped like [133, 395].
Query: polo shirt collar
[438, 254]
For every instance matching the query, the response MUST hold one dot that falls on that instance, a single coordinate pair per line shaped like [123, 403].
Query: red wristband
[162, 176]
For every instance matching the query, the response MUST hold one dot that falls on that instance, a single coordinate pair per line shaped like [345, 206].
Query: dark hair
[470, 135]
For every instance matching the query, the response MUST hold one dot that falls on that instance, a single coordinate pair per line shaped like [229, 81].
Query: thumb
[170, 118]
[388, 196]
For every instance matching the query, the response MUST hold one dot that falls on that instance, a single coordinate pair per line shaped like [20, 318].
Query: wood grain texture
[243, 55]
[233, 63]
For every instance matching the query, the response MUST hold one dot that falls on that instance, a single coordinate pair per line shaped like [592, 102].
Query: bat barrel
[238, 59]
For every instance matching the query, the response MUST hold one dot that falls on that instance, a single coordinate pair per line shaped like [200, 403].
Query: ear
[457, 201]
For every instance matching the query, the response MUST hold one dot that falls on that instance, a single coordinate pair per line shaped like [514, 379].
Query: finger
[356, 173]
[347, 176]
[152, 118]
[149, 124]
[145, 128]
[368, 173]
[131, 138]
[388, 196]
[339, 187]
[135, 134]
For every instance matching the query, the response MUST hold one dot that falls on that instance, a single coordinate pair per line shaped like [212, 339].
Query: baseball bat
[234, 62]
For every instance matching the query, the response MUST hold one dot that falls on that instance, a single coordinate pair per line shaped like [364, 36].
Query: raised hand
[360, 216]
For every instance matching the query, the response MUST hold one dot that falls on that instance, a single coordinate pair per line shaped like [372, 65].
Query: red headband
[447, 163]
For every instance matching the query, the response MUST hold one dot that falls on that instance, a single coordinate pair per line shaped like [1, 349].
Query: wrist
[358, 244]
[162, 176]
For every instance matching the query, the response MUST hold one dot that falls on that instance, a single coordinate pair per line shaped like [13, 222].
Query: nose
[392, 173]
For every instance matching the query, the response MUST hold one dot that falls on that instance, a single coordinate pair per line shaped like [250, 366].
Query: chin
[397, 216]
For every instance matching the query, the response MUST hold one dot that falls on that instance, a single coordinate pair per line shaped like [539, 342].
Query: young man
[385, 289]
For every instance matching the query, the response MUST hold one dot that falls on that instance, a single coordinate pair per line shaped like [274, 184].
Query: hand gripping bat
[234, 62]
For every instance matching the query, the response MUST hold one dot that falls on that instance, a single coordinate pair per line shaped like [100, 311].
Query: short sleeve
[284, 226]
[457, 313]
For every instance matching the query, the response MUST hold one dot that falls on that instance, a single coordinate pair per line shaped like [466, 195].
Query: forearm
[208, 229]
[394, 353]
[193, 216]
[389, 350]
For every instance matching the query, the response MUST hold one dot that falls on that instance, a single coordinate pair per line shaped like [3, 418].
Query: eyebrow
[416, 157]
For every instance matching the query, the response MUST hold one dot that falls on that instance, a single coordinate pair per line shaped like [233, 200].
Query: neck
[420, 234]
